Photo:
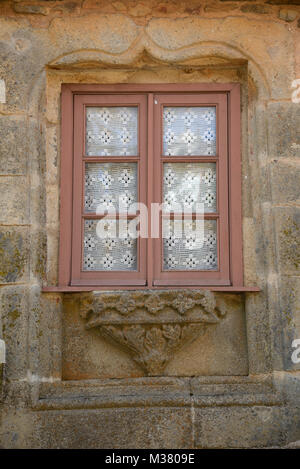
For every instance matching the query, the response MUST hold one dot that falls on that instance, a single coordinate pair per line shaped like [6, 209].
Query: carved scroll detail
[152, 347]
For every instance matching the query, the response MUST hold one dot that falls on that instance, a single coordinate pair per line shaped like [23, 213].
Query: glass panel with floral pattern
[188, 184]
[189, 131]
[188, 245]
[109, 245]
[112, 131]
[110, 185]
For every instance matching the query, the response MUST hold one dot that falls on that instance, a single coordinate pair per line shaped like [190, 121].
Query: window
[150, 186]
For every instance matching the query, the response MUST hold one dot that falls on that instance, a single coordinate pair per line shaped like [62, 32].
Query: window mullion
[150, 189]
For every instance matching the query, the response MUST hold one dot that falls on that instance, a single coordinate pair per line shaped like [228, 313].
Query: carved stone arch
[147, 52]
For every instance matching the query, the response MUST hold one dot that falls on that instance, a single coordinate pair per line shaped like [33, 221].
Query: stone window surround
[237, 283]
[257, 388]
[147, 71]
[55, 80]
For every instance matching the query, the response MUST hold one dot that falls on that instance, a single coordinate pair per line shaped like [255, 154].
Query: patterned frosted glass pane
[196, 249]
[189, 131]
[188, 184]
[112, 131]
[108, 184]
[105, 250]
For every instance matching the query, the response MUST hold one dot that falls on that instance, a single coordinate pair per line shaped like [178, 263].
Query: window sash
[119, 94]
[80, 276]
[193, 277]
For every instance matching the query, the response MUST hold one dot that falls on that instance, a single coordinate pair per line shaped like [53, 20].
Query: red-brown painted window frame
[78, 276]
[224, 96]
[221, 276]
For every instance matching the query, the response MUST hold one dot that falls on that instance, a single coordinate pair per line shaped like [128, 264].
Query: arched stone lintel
[147, 52]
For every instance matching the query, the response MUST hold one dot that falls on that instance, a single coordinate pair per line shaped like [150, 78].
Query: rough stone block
[14, 251]
[115, 428]
[290, 318]
[287, 223]
[239, 427]
[49, 335]
[283, 129]
[14, 201]
[38, 243]
[24, 51]
[14, 325]
[13, 156]
[18, 427]
[111, 33]
[285, 177]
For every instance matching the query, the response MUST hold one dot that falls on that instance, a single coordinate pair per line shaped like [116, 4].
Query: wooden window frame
[221, 276]
[227, 99]
[79, 277]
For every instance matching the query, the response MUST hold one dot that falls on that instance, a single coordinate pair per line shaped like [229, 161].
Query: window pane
[189, 131]
[109, 246]
[188, 246]
[110, 184]
[112, 131]
[188, 184]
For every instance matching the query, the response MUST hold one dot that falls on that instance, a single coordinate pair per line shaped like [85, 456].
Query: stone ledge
[158, 392]
[81, 289]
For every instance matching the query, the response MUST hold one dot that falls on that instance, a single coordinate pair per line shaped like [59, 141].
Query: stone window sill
[229, 289]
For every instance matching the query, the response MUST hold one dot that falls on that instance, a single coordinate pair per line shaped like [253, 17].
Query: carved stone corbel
[151, 325]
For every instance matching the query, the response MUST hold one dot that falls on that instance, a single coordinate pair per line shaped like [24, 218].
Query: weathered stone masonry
[138, 369]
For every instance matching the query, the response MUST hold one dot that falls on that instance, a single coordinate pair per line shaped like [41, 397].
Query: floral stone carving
[149, 325]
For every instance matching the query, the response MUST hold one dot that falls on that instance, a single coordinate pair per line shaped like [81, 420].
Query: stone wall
[67, 381]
